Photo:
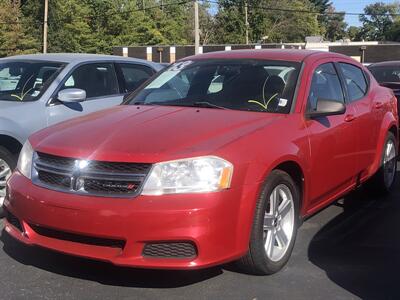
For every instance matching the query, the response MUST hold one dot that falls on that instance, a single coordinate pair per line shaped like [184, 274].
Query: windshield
[251, 85]
[26, 81]
[386, 73]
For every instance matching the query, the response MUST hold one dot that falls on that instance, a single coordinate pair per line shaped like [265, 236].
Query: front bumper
[217, 224]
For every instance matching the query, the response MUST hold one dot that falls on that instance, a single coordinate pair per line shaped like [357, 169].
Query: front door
[99, 80]
[333, 139]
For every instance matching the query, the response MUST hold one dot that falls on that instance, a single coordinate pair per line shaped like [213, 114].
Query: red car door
[368, 118]
[333, 139]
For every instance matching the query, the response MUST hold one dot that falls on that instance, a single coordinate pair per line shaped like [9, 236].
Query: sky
[354, 6]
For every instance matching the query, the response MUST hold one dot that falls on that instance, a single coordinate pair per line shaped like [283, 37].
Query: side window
[355, 81]
[325, 84]
[134, 75]
[96, 79]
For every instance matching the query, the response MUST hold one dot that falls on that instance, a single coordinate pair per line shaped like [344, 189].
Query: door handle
[378, 105]
[350, 118]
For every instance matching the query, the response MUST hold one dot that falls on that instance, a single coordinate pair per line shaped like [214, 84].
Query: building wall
[168, 54]
[372, 53]
[368, 52]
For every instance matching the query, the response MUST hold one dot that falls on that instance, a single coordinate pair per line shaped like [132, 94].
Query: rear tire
[383, 181]
[274, 227]
[8, 163]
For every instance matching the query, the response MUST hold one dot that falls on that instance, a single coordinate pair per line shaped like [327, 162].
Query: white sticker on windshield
[282, 102]
[170, 73]
[179, 66]
[35, 93]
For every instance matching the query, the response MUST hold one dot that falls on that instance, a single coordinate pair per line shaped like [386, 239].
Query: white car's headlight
[25, 160]
[192, 175]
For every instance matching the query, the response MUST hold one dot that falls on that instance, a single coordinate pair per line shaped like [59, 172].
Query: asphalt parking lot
[349, 250]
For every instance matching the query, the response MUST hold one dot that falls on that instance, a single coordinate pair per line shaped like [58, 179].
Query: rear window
[355, 80]
[134, 75]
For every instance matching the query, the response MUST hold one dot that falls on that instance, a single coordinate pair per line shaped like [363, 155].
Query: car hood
[148, 133]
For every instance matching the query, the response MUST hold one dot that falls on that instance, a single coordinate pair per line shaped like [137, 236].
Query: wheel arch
[389, 124]
[10, 143]
[295, 171]
[393, 129]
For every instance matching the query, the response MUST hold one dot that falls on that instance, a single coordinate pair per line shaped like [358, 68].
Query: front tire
[274, 227]
[8, 162]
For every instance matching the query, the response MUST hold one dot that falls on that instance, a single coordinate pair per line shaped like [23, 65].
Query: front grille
[98, 178]
[170, 250]
[77, 238]
[13, 220]
[54, 179]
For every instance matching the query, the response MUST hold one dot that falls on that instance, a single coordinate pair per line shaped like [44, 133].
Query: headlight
[192, 175]
[25, 160]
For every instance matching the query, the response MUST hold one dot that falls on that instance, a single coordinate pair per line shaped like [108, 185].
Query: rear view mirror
[15, 71]
[326, 107]
[71, 95]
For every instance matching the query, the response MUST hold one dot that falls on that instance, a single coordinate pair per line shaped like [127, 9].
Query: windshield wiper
[207, 105]
[204, 104]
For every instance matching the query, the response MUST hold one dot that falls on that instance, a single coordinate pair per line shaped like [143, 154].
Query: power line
[20, 23]
[183, 2]
[160, 6]
[311, 11]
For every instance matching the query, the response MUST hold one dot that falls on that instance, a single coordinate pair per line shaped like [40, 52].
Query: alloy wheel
[5, 173]
[279, 222]
[389, 163]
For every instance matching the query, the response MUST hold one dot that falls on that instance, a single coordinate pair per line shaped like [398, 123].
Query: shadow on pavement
[360, 248]
[101, 272]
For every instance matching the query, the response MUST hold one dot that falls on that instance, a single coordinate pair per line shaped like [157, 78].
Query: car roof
[393, 63]
[76, 58]
[294, 55]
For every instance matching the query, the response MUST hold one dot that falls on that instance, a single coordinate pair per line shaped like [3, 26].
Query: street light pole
[45, 27]
[196, 28]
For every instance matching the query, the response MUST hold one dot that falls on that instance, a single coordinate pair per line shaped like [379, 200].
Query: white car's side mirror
[71, 95]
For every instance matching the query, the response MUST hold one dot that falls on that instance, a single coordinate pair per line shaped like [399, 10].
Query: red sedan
[217, 159]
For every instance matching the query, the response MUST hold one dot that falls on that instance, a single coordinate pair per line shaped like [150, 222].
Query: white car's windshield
[26, 80]
[252, 85]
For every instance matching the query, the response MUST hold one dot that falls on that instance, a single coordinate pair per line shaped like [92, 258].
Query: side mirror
[326, 107]
[71, 95]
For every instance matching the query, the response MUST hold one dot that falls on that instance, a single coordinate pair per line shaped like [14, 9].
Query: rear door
[333, 139]
[367, 116]
[99, 80]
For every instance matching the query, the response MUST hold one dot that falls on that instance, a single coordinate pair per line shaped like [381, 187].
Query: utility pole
[246, 22]
[45, 28]
[196, 28]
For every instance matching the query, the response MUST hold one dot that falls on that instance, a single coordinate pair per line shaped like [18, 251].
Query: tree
[14, 38]
[265, 22]
[353, 33]
[378, 20]
[322, 6]
[229, 25]
[335, 26]
[95, 26]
